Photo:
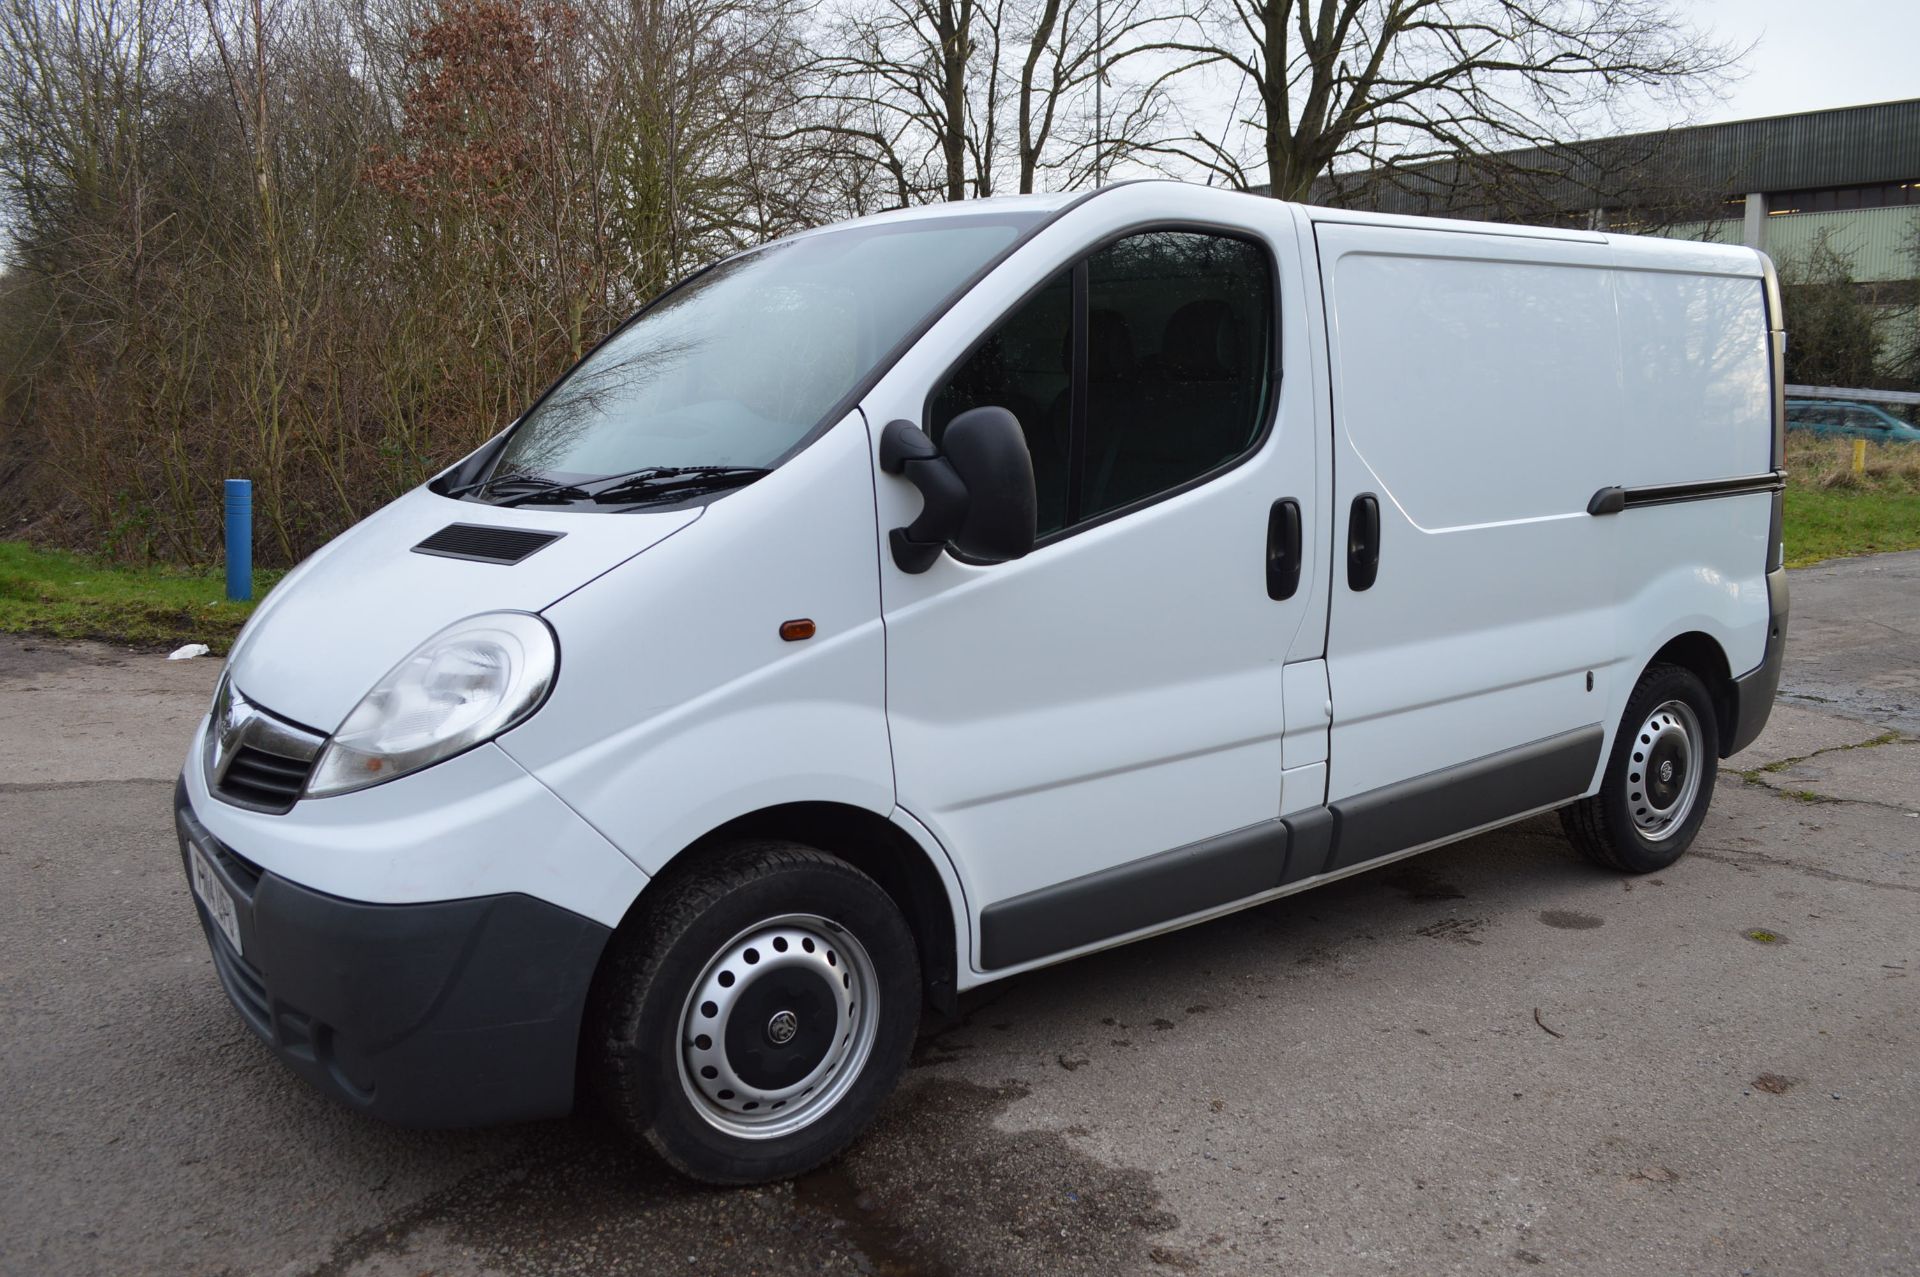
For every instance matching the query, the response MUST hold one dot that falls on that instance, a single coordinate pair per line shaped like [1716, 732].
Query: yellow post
[1859, 456]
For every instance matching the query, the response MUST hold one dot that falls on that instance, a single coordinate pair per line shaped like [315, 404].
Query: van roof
[987, 208]
[1647, 251]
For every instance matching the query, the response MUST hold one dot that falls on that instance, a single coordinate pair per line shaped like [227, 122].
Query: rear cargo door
[1476, 398]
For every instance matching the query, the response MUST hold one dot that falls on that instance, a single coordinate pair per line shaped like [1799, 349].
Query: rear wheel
[1659, 778]
[759, 1012]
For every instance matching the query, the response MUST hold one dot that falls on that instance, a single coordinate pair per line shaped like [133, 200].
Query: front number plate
[214, 895]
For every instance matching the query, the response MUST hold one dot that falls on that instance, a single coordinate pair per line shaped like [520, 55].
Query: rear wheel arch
[1637, 821]
[1702, 654]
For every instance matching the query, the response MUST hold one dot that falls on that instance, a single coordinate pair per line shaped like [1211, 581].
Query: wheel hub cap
[1662, 779]
[778, 1026]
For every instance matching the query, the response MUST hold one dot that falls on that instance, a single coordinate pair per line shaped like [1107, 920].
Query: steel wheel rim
[735, 1090]
[1663, 770]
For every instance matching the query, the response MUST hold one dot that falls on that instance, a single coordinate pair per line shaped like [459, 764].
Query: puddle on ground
[932, 1190]
[1568, 920]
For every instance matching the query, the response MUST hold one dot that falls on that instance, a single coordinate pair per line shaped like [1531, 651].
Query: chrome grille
[256, 759]
[264, 780]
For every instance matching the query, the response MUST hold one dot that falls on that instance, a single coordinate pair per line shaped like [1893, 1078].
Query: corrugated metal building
[1850, 176]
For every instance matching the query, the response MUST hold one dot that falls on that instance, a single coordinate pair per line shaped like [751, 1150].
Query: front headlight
[465, 685]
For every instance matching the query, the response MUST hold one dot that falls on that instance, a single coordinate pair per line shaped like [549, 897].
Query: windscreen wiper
[522, 488]
[661, 482]
[549, 490]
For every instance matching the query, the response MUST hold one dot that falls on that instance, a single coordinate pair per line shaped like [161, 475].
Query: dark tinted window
[1180, 336]
[1179, 339]
[1023, 367]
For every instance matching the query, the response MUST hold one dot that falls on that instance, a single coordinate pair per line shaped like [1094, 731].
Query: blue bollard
[240, 540]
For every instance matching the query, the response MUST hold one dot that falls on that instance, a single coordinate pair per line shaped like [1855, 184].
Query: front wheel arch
[769, 924]
[870, 843]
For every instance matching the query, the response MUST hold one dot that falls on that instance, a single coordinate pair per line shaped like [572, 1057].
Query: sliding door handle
[1363, 542]
[1283, 549]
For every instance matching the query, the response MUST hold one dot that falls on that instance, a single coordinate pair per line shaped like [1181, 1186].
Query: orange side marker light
[794, 631]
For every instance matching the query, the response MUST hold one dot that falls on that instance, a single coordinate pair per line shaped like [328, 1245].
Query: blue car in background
[1849, 419]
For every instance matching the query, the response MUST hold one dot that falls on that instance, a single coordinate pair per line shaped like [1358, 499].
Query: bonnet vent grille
[482, 544]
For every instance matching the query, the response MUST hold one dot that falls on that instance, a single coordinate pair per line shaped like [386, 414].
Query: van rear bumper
[454, 1013]
[1751, 700]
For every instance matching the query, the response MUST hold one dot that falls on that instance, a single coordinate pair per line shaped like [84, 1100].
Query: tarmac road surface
[1489, 1058]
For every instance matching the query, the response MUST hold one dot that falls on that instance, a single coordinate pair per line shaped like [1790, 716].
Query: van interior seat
[1183, 412]
[1203, 341]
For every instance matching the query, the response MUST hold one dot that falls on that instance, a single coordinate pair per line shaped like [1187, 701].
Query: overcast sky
[1816, 53]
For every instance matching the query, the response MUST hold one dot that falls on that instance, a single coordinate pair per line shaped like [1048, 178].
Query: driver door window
[1025, 366]
[1134, 373]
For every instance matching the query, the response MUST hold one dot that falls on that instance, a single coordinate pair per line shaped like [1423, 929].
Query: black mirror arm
[906, 451]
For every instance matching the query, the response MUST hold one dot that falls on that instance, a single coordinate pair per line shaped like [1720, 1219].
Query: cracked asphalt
[1489, 1058]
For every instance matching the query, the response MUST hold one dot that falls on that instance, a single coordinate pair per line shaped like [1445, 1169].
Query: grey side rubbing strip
[1310, 844]
[1277, 853]
[1456, 799]
[1111, 902]
[1614, 500]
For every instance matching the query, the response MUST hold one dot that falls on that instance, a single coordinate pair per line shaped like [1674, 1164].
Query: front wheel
[1659, 778]
[760, 1011]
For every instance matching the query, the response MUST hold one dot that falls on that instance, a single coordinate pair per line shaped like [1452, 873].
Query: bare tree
[1364, 83]
[333, 246]
[1073, 49]
[952, 99]
[896, 85]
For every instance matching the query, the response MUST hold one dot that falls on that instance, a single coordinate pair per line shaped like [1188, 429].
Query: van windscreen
[720, 378]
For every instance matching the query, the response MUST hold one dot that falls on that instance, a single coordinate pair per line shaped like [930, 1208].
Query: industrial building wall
[1881, 243]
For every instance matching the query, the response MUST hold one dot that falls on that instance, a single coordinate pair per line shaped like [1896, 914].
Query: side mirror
[976, 492]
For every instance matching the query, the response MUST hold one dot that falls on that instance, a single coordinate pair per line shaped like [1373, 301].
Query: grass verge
[1830, 513]
[1834, 513]
[68, 596]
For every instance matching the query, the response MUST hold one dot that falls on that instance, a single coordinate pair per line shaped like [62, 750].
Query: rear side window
[1138, 370]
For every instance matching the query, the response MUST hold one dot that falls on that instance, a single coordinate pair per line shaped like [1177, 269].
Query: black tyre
[1659, 778]
[757, 1015]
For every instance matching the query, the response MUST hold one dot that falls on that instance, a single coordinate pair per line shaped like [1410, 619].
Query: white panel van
[921, 600]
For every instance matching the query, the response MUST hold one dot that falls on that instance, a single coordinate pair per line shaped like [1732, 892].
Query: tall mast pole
[1099, 96]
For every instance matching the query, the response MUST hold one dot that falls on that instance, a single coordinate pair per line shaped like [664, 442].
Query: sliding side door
[1472, 640]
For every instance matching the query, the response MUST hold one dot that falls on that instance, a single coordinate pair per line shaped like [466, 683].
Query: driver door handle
[1283, 549]
[1363, 542]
